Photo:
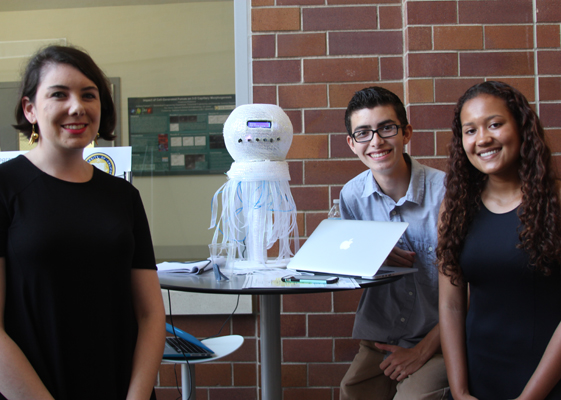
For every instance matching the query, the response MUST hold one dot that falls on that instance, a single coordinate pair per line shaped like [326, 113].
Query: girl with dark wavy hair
[499, 253]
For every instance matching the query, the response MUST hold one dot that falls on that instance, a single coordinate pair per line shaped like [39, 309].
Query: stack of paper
[187, 267]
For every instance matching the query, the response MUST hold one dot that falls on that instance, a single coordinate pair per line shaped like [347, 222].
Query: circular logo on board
[103, 162]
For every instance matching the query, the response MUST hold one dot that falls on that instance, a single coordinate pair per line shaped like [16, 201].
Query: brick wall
[309, 57]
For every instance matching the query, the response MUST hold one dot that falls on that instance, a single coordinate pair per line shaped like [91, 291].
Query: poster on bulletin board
[179, 135]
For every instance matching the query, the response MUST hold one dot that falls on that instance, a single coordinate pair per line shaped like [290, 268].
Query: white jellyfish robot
[257, 206]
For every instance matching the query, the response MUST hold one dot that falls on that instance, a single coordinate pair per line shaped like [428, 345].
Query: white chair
[221, 345]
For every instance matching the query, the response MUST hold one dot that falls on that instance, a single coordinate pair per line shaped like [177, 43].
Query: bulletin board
[179, 135]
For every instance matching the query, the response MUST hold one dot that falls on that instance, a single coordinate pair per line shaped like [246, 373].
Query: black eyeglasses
[366, 135]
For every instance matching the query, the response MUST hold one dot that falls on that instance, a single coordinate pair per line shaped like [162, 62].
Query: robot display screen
[259, 124]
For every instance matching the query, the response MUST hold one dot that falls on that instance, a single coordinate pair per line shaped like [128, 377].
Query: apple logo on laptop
[346, 244]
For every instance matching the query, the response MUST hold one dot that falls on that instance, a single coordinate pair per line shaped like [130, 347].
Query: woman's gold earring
[34, 135]
[96, 137]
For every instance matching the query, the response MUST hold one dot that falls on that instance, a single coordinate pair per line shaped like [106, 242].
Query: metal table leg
[271, 388]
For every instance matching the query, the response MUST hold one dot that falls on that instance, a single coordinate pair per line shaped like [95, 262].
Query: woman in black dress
[499, 252]
[81, 311]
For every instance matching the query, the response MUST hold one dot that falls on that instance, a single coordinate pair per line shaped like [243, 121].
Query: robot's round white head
[258, 132]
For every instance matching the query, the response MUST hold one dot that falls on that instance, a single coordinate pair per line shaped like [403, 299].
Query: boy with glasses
[399, 355]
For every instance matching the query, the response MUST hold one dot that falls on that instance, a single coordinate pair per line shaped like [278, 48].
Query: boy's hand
[400, 258]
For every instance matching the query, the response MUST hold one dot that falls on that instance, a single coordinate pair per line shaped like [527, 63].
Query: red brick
[422, 144]
[340, 95]
[172, 394]
[335, 191]
[346, 349]
[432, 64]
[296, 171]
[496, 64]
[326, 374]
[324, 121]
[313, 302]
[458, 37]
[170, 374]
[450, 90]
[495, 12]
[549, 62]
[232, 394]
[420, 91]
[293, 324]
[296, 119]
[438, 163]
[244, 325]
[391, 68]
[306, 394]
[303, 96]
[339, 18]
[200, 326]
[264, 94]
[442, 141]
[294, 375]
[331, 172]
[302, 45]
[308, 146]
[276, 71]
[509, 37]
[260, 3]
[247, 351]
[556, 161]
[339, 147]
[371, 42]
[341, 69]
[330, 325]
[548, 36]
[300, 217]
[419, 38]
[550, 88]
[310, 198]
[347, 300]
[550, 115]
[548, 11]
[299, 2]
[431, 12]
[307, 350]
[525, 85]
[333, 2]
[431, 116]
[553, 138]
[275, 19]
[313, 220]
[214, 374]
[245, 374]
[263, 46]
[390, 17]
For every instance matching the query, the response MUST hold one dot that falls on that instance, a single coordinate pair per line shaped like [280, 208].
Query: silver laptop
[351, 247]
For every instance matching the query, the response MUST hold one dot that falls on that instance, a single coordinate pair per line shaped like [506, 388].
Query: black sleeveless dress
[513, 310]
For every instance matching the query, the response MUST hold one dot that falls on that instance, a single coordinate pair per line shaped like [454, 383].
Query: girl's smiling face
[490, 136]
[66, 108]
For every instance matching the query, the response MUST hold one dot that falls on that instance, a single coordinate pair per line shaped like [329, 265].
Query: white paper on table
[188, 267]
[272, 280]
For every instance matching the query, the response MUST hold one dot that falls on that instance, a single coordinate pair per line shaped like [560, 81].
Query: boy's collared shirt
[403, 312]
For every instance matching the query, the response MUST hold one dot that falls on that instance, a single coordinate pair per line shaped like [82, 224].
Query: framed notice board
[179, 135]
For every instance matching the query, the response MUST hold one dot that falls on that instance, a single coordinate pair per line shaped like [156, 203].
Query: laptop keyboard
[182, 346]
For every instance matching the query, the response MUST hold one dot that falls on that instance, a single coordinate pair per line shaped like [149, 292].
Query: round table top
[206, 283]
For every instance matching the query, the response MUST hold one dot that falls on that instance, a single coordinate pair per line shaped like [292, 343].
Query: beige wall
[156, 50]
